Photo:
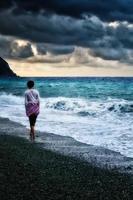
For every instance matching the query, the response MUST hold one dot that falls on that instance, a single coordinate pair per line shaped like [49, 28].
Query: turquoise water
[96, 111]
[74, 87]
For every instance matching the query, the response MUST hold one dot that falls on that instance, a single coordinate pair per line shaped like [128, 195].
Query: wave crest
[85, 107]
[81, 107]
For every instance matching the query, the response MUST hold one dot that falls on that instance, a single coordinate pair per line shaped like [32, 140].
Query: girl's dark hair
[30, 84]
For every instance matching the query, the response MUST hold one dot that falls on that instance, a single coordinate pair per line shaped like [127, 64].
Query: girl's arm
[38, 99]
[26, 101]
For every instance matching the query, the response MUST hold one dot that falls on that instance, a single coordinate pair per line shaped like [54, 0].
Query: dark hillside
[5, 69]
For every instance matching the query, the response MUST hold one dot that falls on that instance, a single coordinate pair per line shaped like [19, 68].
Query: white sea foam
[105, 123]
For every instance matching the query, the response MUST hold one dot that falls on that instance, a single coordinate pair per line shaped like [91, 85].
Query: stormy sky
[67, 37]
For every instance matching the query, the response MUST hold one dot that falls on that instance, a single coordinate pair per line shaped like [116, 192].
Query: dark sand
[95, 155]
[28, 172]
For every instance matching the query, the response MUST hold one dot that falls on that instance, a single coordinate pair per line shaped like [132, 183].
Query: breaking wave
[78, 106]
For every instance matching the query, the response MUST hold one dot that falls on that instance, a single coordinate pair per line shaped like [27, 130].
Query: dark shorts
[32, 119]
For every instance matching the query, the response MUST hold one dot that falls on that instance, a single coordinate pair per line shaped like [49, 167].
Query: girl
[32, 106]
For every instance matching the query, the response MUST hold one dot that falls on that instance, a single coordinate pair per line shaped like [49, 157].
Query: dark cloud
[21, 51]
[54, 49]
[52, 29]
[5, 4]
[77, 23]
[124, 33]
[105, 10]
[9, 48]
[65, 32]
[110, 54]
[5, 50]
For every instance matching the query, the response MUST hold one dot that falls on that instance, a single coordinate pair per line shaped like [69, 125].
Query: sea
[92, 110]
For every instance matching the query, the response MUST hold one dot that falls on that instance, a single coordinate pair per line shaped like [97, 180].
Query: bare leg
[32, 133]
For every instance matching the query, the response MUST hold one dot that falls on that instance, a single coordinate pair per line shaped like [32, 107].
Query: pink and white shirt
[32, 102]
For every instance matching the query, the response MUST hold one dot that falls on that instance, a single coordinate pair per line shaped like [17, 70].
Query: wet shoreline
[95, 155]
